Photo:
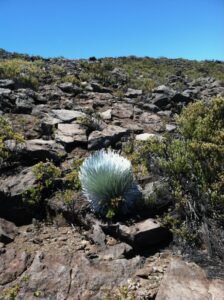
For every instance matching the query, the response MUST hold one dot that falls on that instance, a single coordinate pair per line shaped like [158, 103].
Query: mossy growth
[45, 174]
[7, 133]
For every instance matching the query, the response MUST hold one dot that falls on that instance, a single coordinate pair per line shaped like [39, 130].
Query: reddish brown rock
[187, 281]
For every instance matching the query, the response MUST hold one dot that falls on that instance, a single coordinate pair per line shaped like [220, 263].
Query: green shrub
[70, 78]
[45, 174]
[194, 165]
[72, 178]
[7, 133]
[22, 71]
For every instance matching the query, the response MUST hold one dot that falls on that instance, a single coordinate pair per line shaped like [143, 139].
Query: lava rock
[8, 231]
[70, 133]
[188, 281]
[143, 234]
[110, 135]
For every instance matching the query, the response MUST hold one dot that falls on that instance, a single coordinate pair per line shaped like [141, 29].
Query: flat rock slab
[37, 149]
[66, 115]
[8, 231]
[17, 184]
[122, 110]
[145, 136]
[110, 135]
[106, 115]
[64, 265]
[187, 281]
[132, 93]
[70, 133]
[144, 233]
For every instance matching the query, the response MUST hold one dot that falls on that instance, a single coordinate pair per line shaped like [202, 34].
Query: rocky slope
[66, 109]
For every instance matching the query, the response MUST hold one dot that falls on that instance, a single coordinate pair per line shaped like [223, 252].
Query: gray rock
[106, 115]
[170, 127]
[163, 89]
[8, 231]
[122, 110]
[145, 136]
[5, 92]
[70, 88]
[96, 87]
[7, 83]
[70, 133]
[110, 135]
[160, 100]
[66, 115]
[132, 93]
[24, 102]
[152, 122]
[164, 113]
[156, 194]
[117, 251]
[38, 150]
[16, 185]
[98, 236]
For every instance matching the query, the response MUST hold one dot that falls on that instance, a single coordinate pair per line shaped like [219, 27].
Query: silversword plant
[108, 183]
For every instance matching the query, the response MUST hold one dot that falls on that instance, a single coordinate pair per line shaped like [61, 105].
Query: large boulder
[70, 133]
[70, 88]
[38, 149]
[187, 281]
[110, 135]
[8, 231]
[162, 96]
[145, 233]
[25, 101]
[16, 185]
[12, 189]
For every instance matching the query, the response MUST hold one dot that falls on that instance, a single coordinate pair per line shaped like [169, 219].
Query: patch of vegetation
[122, 292]
[10, 293]
[193, 163]
[137, 154]
[72, 179]
[45, 174]
[99, 70]
[7, 133]
[70, 78]
[22, 71]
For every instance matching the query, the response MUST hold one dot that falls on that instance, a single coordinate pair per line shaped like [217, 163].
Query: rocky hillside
[53, 114]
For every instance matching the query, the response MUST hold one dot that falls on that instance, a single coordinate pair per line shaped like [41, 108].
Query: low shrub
[7, 133]
[193, 163]
[22, 71]
[45, 174]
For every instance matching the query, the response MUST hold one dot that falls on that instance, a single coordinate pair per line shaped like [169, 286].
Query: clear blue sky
[191, 29]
